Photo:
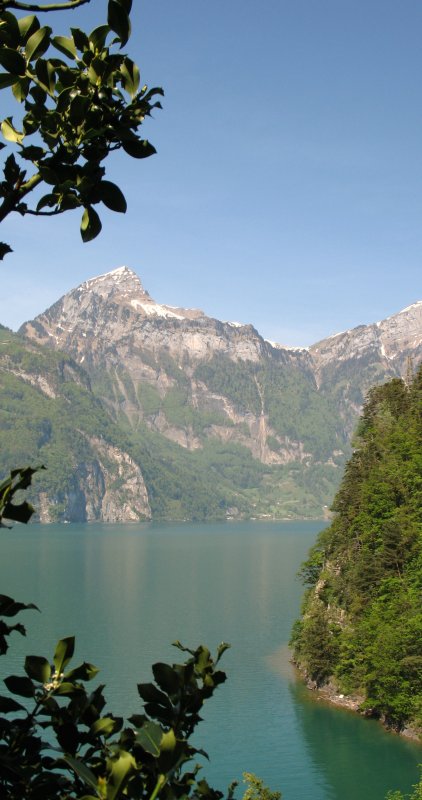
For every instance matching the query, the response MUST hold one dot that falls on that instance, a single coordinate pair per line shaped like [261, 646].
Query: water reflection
[357, 757]
[129, 591]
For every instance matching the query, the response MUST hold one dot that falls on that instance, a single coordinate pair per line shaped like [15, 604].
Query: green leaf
[64, 652]
[38, 668]
[166, 677]
[202, 658]
[82, 771]
[46, 74]
[85, 672]
[120, 767]
[78, 108]
[18, 513]
[112, 196]
[4, 250]
[90, 225]
[32, 153]
[138, 148]
[6, 80]
[130, 77]
[20, 686]
[98, 36]
[126, 4]
[66, 45]
[10, 607]
[221, 649]
[47, 200]
[67, 688]
[10, 133]
[38, 43]
[104, 726]
[7, 705]
[149, 737]
[89, 797]
[118, 20]
[20, 89]
[13, 61]
[9, 29]
[48, 175]
[69, 201]
[80, 38]
[168, 741]
[150, 693]
[27, 26]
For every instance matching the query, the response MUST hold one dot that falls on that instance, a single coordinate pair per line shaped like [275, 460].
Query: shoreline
[329, 694]
[282, 662]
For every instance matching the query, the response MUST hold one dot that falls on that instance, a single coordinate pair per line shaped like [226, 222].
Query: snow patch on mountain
[155, 309]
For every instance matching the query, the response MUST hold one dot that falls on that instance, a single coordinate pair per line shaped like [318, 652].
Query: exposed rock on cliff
[224, 395]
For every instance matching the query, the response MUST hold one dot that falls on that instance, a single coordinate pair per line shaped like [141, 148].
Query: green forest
[361, 624]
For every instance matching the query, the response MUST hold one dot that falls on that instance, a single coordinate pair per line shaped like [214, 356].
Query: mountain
[361, 625]
[220, 421]
[49, 415]
[348, 364]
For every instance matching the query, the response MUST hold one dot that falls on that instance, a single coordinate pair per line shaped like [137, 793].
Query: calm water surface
[127, 592]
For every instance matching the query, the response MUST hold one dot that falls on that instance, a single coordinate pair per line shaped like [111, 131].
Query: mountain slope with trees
[361, 625]
[222, 422]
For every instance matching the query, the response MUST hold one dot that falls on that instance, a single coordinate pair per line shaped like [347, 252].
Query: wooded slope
[361, 620]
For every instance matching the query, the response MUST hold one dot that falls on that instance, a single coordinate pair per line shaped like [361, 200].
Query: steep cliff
[49, 415]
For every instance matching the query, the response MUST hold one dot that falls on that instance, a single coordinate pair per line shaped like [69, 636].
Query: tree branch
[12, 200]
[4, 4]
[53, 213]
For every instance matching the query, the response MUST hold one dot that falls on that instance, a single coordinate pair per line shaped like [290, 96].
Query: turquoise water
[127, 592]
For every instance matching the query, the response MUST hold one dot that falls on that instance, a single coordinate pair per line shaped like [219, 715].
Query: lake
[128, 591]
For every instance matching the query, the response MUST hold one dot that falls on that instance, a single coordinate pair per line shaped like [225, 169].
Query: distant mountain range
[140, 409]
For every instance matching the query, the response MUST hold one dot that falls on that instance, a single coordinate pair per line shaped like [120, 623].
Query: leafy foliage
[256, 790]
[58, 741]
[362, 620]
[76, 110]
[416, 793]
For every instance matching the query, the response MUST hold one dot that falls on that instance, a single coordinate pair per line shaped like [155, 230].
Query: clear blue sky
[287, 188]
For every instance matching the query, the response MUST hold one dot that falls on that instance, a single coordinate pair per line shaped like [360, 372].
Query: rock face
[200, 383]
[111, 326]
[50, 416]
[113, 318]
[348, 364]
[109, 487]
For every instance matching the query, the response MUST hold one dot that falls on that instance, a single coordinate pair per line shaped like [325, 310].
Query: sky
[287, 187]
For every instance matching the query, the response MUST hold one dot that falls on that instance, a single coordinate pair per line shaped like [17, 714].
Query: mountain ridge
[123, 282]
[222, 395]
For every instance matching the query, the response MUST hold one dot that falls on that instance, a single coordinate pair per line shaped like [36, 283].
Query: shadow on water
[357, 757]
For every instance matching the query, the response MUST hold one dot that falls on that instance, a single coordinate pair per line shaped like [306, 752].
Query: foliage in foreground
[362, 617]
[75, 111]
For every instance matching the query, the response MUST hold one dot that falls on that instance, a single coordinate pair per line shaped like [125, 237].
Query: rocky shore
[330, 694]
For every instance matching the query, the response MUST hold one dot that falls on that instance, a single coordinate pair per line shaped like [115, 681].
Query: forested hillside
[361, 622]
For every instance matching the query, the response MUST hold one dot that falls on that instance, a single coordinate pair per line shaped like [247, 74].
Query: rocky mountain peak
[121, 281]
[389, 339]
